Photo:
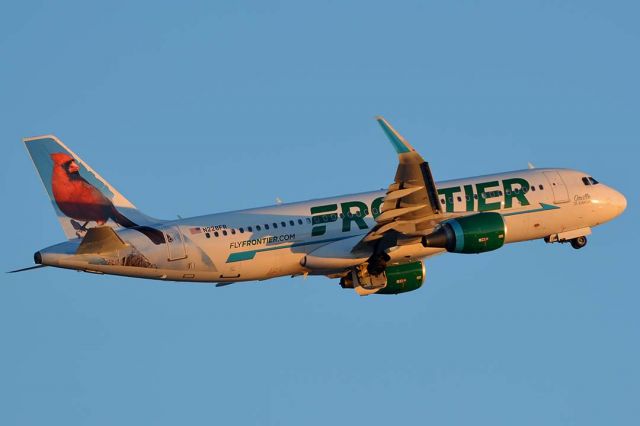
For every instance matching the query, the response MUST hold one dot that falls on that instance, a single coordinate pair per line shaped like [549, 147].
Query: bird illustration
[80, 200]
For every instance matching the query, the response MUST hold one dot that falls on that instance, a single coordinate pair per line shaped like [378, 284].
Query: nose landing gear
[577, 237]
[578, 243]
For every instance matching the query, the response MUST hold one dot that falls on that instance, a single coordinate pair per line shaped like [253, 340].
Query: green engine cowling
[403, 278]
[477, 233]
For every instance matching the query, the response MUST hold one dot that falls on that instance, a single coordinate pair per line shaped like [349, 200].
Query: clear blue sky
[197, 107]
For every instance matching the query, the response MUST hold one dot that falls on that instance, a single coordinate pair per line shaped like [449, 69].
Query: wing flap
[391, 214]
[411, 206]
[400, 193]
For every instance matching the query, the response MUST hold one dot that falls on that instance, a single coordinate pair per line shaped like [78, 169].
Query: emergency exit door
[560, 192]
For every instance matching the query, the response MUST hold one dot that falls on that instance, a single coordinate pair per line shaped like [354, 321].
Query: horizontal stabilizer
[26, 269]
[102, 239]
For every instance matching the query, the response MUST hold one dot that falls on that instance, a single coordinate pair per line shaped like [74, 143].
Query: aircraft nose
[618, 201]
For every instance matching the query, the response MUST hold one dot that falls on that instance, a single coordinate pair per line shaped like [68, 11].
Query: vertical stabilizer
[81, 198]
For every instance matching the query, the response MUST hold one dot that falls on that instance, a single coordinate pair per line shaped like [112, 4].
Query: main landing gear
[578, 243]
[377, 263]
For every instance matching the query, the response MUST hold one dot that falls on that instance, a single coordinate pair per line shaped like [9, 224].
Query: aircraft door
[560, 192]
[175, 243]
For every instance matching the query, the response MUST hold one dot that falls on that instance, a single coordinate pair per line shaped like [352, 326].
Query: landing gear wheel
[578, 243]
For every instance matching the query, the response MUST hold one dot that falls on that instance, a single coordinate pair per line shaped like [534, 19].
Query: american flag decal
[195, 230]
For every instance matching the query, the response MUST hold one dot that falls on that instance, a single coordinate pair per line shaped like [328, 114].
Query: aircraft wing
[411, 207]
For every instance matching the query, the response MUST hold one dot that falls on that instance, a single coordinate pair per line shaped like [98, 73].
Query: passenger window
[292, 223]
[258, 228]
[459, 199]
[275, 225]
[266, 226]
[466, 197]
[533, 188]
[541, 187]
[224, 233]
[250, 229]
[206, 234]
[442, 201]
[241, 230]
[299, 221]
[283, 224]
[308, 220]
[233, 231]
[216, 234]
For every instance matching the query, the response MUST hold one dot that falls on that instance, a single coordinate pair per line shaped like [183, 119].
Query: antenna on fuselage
[531, 166]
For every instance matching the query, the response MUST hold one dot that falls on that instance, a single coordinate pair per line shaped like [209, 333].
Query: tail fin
[81, 198]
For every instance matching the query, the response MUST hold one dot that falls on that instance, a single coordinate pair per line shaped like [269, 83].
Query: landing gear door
[175, 243]
[560, 193]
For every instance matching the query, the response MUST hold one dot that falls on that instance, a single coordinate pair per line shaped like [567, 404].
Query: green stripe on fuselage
[543, 207]
[250, 254]
[243, 255]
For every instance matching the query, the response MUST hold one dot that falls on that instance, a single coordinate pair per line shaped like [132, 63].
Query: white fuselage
[317, 236]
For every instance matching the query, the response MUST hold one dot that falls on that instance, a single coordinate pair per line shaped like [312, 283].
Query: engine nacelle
[404, 278]
[399, 279]
[477, 233]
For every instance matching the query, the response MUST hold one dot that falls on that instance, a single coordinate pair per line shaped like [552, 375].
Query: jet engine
[395, 279]
[477, 233]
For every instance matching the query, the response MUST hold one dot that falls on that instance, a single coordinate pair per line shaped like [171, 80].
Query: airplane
[373, 242]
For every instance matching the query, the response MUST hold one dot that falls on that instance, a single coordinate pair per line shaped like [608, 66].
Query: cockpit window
[586, 181]
[593, 181]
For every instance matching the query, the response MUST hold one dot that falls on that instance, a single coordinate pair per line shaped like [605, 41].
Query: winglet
[399, 143]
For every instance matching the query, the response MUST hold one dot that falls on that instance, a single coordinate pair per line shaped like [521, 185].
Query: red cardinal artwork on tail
[80, 200]
[77, 198]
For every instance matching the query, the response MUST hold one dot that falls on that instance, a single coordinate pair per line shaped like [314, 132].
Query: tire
[578, 243]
